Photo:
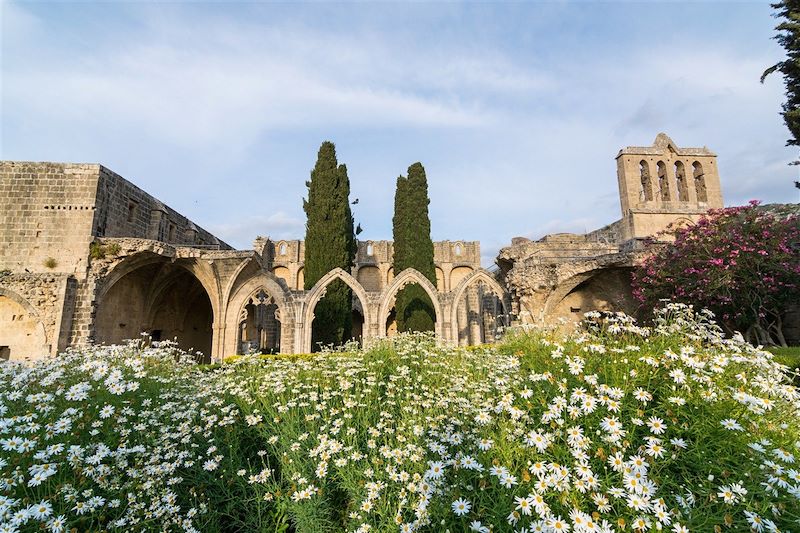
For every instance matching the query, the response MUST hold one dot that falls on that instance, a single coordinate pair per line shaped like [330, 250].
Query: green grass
[787, 356]
[355, 441]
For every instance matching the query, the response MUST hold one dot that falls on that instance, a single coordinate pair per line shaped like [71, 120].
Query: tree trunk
[748, 334]
[778, 328]
[765, 339]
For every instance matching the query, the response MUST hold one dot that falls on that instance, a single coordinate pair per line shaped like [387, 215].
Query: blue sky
[517, 110]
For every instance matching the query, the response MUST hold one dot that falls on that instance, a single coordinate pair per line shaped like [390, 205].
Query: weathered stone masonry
[86, 256]
[560, 277]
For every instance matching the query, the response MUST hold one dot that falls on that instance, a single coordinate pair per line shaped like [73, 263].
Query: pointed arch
[167, 297]
[238, 300]
[201, 270]
[17, 339]
[318, 291]
[479, 275]
[407, 277]
[237, 274]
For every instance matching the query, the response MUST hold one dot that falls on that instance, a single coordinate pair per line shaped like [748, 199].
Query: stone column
[474, 313]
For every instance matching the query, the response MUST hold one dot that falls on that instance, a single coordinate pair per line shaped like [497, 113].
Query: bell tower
[662, 184]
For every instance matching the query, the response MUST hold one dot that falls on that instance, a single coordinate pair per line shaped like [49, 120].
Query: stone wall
[373, 261]
[50, 216]
[125, 210]
[46, 215]
[32, 310]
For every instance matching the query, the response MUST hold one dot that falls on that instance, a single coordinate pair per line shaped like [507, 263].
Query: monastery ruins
[88, 257]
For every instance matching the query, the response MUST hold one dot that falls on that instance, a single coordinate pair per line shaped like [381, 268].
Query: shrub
[743, 263]
[99, 251]
[50, 262]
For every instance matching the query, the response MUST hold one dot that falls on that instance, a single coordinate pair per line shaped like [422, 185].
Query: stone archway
[318, 291]
[480, 276]
[407, 277]
[22, 333]
[150, 294]
[600, 289]
[263, 288]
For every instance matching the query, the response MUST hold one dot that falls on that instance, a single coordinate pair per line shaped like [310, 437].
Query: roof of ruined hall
[662, 145]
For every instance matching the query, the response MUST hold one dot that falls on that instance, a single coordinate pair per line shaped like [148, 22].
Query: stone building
[558, 278]
[86, 256]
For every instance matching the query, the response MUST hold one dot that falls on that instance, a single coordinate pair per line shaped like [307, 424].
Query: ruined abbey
[88, 257]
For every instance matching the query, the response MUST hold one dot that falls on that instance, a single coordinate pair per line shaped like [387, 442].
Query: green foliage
[50, 262]
[99, 251]
[789, 37]
[789, 356]
[141, 438]
[414, 309]
[413, 248]
[742, 263]
[329, 243]
[96, 251]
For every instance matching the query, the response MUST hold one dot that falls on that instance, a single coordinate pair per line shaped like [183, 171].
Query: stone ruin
[558, 278]
[88, 257]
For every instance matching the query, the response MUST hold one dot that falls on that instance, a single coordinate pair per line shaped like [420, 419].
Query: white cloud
[246, 227]
[516, 141]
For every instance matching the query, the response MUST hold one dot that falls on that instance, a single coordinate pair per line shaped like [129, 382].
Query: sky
[516, 110]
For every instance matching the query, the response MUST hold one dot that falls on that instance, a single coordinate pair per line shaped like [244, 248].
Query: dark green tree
[330, 243]
[413, 248]
[788, 11]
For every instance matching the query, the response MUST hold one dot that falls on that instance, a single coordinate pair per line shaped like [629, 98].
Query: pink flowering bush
[742, 263]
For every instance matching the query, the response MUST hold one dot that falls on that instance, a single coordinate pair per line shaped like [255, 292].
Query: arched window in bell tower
[680, 181]
[663, 182]
[645, 185]
[700, 182]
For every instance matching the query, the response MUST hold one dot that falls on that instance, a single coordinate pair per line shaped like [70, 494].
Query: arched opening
[259, 325]
[391, 323]
[324, 321]
[607, 290]
[419, 301]
[413, 309]
[282, 272]
[646, 185]
[479, 310]
[440, 286]
[457, 275]
[370, 278]
[301, 279]
[663, 182]
[22, 334]
[357, 331]
[700, 182]
[162, 299]
[680, 182]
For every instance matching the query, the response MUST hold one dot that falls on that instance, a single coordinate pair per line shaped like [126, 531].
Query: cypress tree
[413, 248]
[330, 243]
[789, 37]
